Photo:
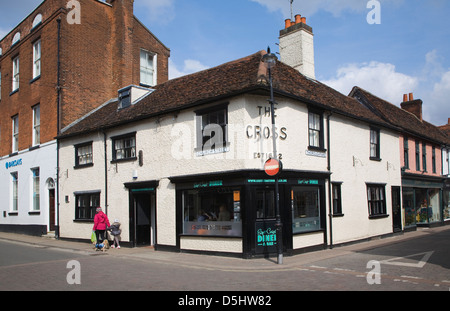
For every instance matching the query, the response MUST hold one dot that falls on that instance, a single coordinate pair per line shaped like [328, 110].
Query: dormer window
[124, 98]
[16, 38]
[130, 95]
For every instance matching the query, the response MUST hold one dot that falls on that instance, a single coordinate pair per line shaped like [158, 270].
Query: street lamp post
[270, 61]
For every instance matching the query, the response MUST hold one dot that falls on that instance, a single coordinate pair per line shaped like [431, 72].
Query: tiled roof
[446, 130]
[408, 122]
[245, 75]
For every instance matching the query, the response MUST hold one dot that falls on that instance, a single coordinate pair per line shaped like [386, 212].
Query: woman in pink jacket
[101, 223]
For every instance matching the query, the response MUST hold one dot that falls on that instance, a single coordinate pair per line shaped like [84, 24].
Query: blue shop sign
[13, 163]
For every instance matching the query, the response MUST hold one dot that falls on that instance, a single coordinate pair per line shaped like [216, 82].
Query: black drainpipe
[106, 172]
[330, 201]
[58, 126]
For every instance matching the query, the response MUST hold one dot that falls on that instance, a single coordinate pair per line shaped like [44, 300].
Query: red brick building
[56, 66]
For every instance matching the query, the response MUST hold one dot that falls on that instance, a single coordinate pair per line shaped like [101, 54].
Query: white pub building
[181, 165]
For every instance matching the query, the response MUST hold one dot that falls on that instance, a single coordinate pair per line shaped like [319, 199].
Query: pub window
[212, 133]
[337, 200]
[306, 209]
[84, 155]
[417, 156]
[405, 153]
[424, 157]
[433, 159]
[374, 144]
[315, 130]
[85, 205]
[376, 200]
[211, 211]
[124, 147]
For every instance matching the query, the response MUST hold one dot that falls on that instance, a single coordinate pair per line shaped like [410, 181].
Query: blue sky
[409, 51]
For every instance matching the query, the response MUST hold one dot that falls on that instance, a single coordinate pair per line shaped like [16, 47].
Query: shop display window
[421, 206]
[409, 207]
[447, 205]
[212, 212]
[305, 209]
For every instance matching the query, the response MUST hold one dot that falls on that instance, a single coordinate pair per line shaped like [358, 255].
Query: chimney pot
[287, 23]
[411, 96]
[448, 121]
[298, 19]
[405, 97]
[304, 20]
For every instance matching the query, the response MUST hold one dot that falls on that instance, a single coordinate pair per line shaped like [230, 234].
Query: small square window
[376, 199]
[124, 147]
[83, 155]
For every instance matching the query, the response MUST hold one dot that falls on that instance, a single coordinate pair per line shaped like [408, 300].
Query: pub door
[264, 236]
[396, 210]
[142, 218]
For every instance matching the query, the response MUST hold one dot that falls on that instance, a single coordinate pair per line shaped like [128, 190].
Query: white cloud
[431, 84]
[381, 79]
[190, 66]
[438, 108]
[309, 8]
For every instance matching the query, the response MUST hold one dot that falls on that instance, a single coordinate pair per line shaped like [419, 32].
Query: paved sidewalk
[218, 262]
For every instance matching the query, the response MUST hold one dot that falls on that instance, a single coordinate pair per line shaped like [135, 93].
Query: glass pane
[306, 209]
[211, 212]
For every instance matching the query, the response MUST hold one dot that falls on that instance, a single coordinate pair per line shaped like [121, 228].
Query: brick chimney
[446, 127]
[412, 106]
[122, 28]
[297, 46]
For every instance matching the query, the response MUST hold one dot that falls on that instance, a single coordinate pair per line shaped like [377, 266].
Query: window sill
[123, 160]
[77, 167]
[83, 220]
[337, 215]
[13, 214]
[375, 159]
[34, 213]
[35, 79]
[379, 216]
[14, 92]
[319, 149]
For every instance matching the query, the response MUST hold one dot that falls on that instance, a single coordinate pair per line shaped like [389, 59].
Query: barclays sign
[13, 163]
